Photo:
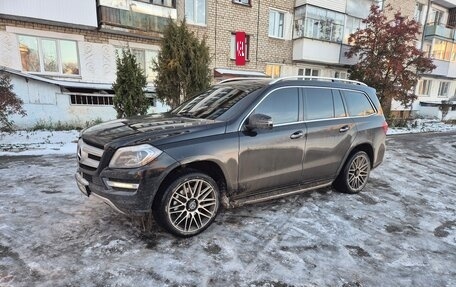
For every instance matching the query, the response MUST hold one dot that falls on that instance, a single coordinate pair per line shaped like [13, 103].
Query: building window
[318, 23]
[436, 17]
[45, 55]
[443, 89]
[195, 11]
[273, 70]
[309, 72]
[424, 87]
[441, 50]
[166, 3]
[340, 75]
[418, 12]
[243, 2]
[145, 59]
[352, 25]
[233, 46]
[91, 100]
[276, 23]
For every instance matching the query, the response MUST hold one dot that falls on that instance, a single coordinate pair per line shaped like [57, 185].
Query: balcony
[439, 31]
[130, 20]
[305, 49]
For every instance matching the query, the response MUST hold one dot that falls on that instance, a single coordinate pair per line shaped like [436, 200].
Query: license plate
[82, 184]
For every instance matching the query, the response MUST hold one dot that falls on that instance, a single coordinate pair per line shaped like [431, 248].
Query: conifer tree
[130, 99]
[182, 65]
[10, 103]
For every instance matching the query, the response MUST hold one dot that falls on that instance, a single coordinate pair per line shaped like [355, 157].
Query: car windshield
[217, 100]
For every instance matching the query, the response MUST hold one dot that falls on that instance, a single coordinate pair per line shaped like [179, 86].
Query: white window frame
[424, 87]
[242, 2]
[196, 13]
[57, 41]
[444, 87]
[276, 24]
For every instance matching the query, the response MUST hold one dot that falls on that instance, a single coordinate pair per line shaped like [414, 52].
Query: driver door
[272, 158]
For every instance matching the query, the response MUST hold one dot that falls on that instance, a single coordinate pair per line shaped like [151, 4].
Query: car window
[282, 105]
[358, 104]
[339, 109]
[215, 102]
[319, 104]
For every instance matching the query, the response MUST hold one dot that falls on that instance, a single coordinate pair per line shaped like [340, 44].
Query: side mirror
[259, 121]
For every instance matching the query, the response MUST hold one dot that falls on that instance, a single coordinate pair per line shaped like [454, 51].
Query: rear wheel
[188, 205]
[353, 177]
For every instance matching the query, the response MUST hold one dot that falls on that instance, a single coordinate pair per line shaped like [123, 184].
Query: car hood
[153, 129]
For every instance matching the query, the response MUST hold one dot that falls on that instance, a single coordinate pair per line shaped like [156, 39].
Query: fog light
[121, 185]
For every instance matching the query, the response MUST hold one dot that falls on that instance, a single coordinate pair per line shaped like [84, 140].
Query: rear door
[330, 133]
[271, 158]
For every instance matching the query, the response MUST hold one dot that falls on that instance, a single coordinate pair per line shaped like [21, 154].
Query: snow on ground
[420, 126]
[38, 142]
[400, 231]
[64, 142]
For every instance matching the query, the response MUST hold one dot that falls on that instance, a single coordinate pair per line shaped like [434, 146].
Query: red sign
[240, 48]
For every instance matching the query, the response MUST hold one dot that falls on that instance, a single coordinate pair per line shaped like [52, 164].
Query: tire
[188, 205]
[355, 173]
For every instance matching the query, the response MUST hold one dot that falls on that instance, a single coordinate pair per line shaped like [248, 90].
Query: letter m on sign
[240, 48]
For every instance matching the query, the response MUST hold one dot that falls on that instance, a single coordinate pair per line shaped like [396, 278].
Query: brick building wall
[226, 17]
[90, 35]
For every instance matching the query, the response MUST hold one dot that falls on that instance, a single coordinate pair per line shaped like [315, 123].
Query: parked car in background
[242, 141]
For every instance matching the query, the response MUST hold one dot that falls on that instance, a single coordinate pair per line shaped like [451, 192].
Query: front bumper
[138, 201]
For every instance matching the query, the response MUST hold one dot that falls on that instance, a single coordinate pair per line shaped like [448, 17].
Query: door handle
[297, 135]
[344, 129]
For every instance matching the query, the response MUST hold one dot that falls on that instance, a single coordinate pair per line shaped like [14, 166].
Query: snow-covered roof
[224, 71]
[67, 83]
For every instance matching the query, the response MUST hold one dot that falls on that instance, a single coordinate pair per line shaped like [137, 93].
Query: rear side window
[319, 104]
[281, 105]
[358, 104]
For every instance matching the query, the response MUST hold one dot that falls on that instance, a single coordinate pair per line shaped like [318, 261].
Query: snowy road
[401, 231]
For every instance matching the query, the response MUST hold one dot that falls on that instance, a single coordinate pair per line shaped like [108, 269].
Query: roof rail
[318, 78]
[241, 79]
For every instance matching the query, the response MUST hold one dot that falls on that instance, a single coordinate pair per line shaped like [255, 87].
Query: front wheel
[353, 177]
[188, 205]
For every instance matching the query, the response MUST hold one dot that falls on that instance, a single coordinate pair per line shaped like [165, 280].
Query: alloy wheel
[193, 204]
[358, 172]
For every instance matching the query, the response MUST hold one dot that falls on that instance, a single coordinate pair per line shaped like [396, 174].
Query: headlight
[134, 156]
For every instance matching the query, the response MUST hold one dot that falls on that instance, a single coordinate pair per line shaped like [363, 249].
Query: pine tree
[389, 59]
[182, 65]
[130, 99]
[10, 103]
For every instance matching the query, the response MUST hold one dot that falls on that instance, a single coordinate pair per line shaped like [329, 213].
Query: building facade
[62, 55]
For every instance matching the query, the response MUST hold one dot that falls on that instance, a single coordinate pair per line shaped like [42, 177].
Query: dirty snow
[400, 231]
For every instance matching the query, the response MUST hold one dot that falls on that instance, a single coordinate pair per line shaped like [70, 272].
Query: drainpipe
[257, 36]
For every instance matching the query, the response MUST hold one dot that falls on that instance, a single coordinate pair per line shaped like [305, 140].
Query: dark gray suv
[242, 141]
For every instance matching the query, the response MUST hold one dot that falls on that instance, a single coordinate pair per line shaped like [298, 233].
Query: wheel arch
[365, 147]
[210, 168]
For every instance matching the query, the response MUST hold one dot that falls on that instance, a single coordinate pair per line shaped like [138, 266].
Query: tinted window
[339, 109]
[282, 105]
[319, 104]
[358, 104]
[216, 101]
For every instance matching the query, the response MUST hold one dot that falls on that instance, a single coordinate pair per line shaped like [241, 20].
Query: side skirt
[237, 201]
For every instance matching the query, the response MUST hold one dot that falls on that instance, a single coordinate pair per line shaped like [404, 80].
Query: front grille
[87, 177]
[89, 155]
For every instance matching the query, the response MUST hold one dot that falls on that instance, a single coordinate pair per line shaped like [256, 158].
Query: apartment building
[267, 25]
[61, 55]
[439, 42]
